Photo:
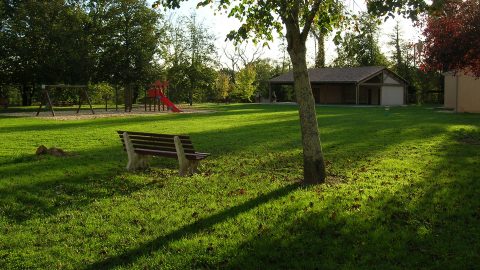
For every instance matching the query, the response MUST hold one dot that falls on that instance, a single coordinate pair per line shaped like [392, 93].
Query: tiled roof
[338, 75]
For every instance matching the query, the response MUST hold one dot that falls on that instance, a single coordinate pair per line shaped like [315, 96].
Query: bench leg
[135, 161]
[183, 162]
[183, 170]
[193, 168]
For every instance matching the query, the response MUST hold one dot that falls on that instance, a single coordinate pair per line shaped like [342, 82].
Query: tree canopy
[452, 38]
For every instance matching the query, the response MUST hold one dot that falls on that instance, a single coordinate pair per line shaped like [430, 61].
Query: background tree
[44, 42]
[191, 56]
[265, 69]
[245, 80]
[452, 38]
[103, 92]
[360, 46]
[423, 86]
[331, 15]
[129, 43]
[202, 49]
[223, 86]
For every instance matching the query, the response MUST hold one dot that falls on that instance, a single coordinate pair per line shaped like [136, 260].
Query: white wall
[450, 98]
[389, 80]
[392, 95]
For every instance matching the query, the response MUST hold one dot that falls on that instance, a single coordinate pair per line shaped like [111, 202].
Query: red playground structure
[157, 95]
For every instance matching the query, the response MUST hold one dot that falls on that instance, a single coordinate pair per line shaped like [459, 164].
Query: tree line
[123, 43]
[77, 42]
[126, 44]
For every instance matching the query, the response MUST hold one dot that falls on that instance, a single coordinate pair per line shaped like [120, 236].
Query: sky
[220, 25]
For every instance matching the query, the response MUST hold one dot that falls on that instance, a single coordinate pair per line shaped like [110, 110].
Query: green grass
[403, 193]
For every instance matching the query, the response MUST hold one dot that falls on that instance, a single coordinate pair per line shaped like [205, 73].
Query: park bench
[140, 146]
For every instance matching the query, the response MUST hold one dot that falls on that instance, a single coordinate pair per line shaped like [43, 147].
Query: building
[462, 92]
[352, 85]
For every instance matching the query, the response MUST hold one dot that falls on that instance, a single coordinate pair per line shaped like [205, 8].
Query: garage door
[392, 95]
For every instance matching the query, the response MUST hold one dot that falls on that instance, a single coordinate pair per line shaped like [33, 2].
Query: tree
[330, 16]
[396, 41]
[259, 19]
[420, 82]
[43, 42]
[201, 47]
[223, 86]
[245, 80]
[258, 22]
[128, 40]
[102, 93]
[452, 38]
[360, 47]
[190, 57]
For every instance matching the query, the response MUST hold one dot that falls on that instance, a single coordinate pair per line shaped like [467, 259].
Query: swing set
[155, 95]
[47, 101]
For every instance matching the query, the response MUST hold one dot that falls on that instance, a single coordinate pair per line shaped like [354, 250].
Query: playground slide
[168, 103]
[156, 91]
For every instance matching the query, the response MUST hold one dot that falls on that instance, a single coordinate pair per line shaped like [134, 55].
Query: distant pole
[145, 98]
[116, 98]
[270, 92]
[414, 55]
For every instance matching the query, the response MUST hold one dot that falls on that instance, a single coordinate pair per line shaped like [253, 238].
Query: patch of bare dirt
[53, 151]
[63, 115]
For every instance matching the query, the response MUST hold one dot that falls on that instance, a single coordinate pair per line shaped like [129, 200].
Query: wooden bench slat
[153, 139]
[160, 144]
[159, 148]
[191, 156]
[157, 135]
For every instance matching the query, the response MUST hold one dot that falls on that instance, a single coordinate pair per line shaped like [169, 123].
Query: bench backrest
[154, 141]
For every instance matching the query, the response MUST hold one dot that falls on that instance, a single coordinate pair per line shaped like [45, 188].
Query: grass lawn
[403, 193]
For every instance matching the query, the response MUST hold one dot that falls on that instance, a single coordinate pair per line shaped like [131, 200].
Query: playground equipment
[46, 100]
[156, 95]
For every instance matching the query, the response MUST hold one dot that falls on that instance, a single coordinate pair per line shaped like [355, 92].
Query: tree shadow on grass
[430, 223]
[146, 248]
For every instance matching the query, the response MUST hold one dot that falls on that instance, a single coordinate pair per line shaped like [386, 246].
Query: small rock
[41, 150]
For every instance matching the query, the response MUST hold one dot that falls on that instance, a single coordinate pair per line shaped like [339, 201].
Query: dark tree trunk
[135, 94]
[26, 93]
[313, 161]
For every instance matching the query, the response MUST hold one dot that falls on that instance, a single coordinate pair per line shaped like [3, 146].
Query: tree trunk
[313, 161]
[320, 57]
[26, 95]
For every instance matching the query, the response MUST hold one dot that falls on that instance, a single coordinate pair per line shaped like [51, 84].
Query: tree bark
[320, 57]
[313, 162]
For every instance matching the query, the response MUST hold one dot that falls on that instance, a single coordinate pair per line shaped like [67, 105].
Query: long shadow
[147, 248]
[431, 222]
